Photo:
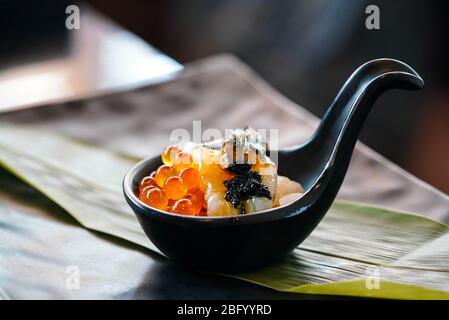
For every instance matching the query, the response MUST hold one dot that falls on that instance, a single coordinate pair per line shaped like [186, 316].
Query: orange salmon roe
[182, 160]
[170, 204]
[163, 173]
[191, 177]
[175, 188]
[197, 200]
[147, 181]
[155, 197]
[183, 206]
[169, 154]
[175, 185]
[146, 189]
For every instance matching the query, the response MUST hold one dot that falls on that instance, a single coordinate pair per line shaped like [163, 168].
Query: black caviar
[244, 186]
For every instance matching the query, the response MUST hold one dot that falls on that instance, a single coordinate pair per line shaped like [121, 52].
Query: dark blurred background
[306, 49]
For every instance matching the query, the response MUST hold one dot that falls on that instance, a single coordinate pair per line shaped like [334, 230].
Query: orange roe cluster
[175, 185]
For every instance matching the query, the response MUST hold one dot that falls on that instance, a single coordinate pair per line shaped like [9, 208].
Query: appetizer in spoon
[235, 242]
[231, 176]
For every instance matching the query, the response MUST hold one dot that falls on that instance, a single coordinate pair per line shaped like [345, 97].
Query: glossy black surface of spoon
[244, 242]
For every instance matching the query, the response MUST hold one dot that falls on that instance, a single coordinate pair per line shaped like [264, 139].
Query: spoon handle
[320, 164]
[345, 117]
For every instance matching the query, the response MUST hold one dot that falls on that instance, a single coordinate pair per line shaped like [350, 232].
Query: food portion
[231, 176]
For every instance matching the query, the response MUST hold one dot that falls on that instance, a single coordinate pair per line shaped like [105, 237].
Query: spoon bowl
[245, 242]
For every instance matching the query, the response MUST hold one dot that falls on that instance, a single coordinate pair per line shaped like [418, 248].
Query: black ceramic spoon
[244, 242]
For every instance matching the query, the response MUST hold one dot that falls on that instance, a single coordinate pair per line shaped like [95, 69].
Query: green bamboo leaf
[357, 250]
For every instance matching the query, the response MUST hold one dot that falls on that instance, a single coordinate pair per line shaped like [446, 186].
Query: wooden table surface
[99, 57]
[39, 240]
